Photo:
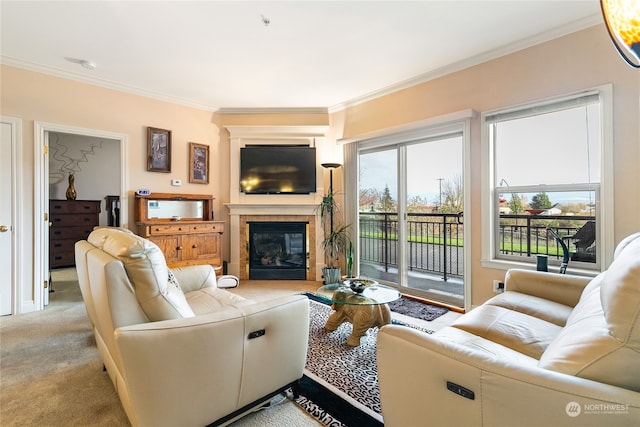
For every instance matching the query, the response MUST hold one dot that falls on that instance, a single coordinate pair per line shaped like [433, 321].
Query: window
[545, 183]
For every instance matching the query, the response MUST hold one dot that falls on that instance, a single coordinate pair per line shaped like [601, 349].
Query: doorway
[411, 213]
[10, 230]
[43, 138]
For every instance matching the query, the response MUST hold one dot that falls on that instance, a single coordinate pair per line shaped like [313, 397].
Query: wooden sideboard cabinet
[187, 243]
[183, 228]
[71, 220]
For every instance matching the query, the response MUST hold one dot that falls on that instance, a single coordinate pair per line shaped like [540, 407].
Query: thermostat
[143, 192]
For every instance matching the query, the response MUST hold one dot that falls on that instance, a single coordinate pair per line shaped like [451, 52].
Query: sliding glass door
[434, 212]
[411, 204]
[378, 214]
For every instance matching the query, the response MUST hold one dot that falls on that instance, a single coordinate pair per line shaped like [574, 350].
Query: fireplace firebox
[278, 250]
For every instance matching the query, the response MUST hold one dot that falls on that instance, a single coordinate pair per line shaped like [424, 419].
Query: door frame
[460, 120]
[16, 233]
[41, 196]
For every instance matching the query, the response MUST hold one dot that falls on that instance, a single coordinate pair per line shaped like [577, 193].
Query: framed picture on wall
[198, 163]
[158, 150]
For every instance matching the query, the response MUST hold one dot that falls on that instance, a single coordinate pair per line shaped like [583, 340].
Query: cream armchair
[552, 350]
[179, 350]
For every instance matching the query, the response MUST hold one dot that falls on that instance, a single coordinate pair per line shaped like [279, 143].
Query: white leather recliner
[179, 350]
[552, 350]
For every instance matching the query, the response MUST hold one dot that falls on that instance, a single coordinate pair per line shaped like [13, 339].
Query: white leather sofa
[179, 350]
[552, 350]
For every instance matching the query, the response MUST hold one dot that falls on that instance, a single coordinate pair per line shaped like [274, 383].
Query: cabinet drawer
[73, 233]
[59, 246]
[63, 259]
[74, 220]
[74, 206]
[207, 228]
[161, 229]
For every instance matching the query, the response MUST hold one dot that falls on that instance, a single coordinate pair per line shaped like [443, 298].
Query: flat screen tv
[278, 169]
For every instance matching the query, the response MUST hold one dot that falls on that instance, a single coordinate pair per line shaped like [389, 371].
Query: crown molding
[407, 130]
[582, 24]
[266, 132]
[108, 84]
[274, 110]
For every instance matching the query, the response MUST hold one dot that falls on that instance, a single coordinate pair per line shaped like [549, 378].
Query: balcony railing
[435, 241]
[526, 236]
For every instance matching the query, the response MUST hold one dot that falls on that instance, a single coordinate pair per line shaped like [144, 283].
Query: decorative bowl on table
[359, 285]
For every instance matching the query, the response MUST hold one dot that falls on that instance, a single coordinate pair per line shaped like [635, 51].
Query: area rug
[417, 309]
[340, 384]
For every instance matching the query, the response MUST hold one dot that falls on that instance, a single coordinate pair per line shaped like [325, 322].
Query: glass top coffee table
[365, 307]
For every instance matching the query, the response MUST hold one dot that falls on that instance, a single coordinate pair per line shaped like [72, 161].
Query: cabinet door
[170, 247]
[202, 248]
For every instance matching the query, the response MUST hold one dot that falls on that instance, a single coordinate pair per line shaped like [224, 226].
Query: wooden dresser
[185, 240]
[71, 220]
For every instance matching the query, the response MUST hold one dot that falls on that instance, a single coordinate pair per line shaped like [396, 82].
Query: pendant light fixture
[622, 18]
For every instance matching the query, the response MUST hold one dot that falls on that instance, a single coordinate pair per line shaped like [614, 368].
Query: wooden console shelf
[183, 228]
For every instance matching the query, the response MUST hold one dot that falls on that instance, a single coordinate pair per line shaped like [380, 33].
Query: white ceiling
[221, 55]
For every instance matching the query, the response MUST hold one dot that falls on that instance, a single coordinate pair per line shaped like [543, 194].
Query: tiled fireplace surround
[245, 208]
[244, 256]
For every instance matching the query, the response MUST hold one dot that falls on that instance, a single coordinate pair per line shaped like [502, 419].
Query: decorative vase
[359, 285]
[331, 275]
[71, 190]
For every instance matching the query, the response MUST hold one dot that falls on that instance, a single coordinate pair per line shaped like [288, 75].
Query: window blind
[557, 105]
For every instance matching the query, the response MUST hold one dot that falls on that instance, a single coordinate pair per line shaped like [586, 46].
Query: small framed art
[198, 163]
[158, 150]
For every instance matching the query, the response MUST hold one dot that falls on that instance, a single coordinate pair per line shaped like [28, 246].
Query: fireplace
[277, 250]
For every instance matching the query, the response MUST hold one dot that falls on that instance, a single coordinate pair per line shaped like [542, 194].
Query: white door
[6, 218]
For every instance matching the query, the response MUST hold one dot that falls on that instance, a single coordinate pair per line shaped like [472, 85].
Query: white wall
[97, 175]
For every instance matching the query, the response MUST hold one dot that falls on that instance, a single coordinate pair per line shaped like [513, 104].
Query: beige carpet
[51, 373]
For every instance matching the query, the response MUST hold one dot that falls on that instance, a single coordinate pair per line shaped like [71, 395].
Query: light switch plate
[176, 182]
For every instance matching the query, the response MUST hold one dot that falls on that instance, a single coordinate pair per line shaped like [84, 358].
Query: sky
[546, 147]
[426, 163]
[549, 148]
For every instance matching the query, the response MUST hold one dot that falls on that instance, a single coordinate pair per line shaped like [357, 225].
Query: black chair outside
[583, 240]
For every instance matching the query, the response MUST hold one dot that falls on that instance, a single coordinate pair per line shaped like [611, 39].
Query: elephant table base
[362, 317]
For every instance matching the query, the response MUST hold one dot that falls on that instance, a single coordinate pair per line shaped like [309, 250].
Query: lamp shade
[330, 165]
[622, 18]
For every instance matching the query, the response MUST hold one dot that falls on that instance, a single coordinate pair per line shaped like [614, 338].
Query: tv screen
[271, 169]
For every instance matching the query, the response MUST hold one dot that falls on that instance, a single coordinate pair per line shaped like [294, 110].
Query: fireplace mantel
[243, 207]
[240, 213]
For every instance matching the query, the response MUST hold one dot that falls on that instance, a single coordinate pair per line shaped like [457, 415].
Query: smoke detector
[89, 65]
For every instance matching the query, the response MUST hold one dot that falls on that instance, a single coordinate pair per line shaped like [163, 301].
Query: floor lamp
[331, 167]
